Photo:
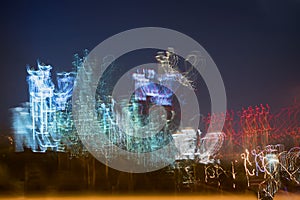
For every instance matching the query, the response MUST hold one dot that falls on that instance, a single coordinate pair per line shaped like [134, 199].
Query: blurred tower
[22, 127]
[41, 91]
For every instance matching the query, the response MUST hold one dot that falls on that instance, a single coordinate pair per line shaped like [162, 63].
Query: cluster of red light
[287, 125]
[257, 126]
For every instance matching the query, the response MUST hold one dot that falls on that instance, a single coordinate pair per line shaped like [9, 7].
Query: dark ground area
[28, 173]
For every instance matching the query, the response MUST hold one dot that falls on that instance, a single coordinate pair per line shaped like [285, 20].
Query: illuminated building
[50, 126]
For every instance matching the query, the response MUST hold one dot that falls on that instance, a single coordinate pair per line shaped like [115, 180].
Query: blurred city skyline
[255, 44]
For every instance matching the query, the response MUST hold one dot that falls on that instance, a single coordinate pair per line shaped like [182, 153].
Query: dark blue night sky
[255, 43]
